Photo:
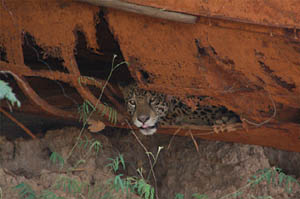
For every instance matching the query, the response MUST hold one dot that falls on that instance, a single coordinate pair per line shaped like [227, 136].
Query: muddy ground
[216, 169]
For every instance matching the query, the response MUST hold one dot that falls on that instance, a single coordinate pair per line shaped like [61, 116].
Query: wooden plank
[144, 10]
[275, 13]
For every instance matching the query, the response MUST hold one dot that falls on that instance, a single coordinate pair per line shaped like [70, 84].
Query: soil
[216, 169]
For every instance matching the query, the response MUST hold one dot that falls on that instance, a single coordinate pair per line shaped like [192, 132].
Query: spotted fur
[148, 109]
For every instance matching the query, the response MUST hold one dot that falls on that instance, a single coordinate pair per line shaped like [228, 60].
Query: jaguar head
[146, 108]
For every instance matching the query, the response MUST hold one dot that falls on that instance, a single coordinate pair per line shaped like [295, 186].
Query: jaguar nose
[143, 118]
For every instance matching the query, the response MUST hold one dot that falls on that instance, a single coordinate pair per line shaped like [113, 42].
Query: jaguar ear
[125, 89]
[169, 98]
[122, 88]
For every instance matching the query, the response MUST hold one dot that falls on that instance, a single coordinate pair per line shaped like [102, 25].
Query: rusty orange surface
[281, 136]
[206, 59]
[252, 69]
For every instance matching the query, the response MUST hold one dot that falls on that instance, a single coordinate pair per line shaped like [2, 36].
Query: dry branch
[18, 123]
[144, 10]
[21, 70]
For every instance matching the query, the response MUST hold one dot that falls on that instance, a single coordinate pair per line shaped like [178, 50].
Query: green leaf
[118, 182]
[122, 161]
[104, 111]
[199, 196]
[109, 115]
[91, 105]
[55, 157]
[96, 145]
[7, 93]
[179, 196]
[281, 177]
[25, 191]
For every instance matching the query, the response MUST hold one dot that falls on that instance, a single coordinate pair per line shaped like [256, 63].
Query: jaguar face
[146, 108]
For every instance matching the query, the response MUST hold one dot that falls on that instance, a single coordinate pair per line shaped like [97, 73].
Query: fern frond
[57, 158]
[25, 191]
[7, 93]
[199, 196]
[46, 194]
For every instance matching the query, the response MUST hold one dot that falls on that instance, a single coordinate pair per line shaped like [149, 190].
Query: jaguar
[149, 109]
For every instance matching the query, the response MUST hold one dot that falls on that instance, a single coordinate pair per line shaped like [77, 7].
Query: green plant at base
[200, 196]
[96, 145]
[114, 165]
[194, 196]
[129, 184]
[132, 185]
[273, 176]
[25, 191]
[179, 196]
[143, 189]
[46, 194]
[89, 144]
[70, 185]
[119, 183]
[57, 158]
[260, 197]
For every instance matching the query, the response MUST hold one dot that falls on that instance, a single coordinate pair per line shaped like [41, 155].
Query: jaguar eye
[131, 102]
[152, 99]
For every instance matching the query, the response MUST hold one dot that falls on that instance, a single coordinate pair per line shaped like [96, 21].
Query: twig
[13, 74]
[22, 70]
[18, 123]
[266, 121]
[177, 131]
[83, 92]
[145, 10]
[195, 142]
[32, 95]
[147, 153]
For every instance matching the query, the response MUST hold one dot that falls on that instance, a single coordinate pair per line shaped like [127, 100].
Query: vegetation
[79, 189]
[7, 93]
[138, 185]
[269, 176]
[120, 183]
[87, 108]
